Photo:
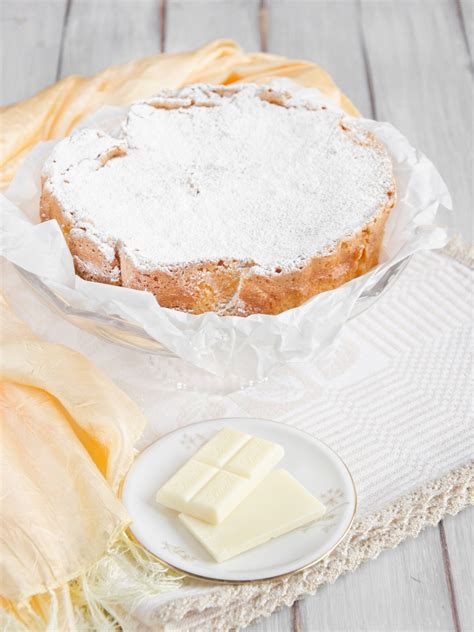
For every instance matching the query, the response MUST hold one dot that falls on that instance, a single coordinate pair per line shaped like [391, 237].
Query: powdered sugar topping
[252, 173]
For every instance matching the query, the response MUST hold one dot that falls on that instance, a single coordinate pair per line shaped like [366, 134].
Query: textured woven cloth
[393, 397]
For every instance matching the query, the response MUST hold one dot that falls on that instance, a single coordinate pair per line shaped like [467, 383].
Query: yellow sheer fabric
[56, 110]
[67, 435]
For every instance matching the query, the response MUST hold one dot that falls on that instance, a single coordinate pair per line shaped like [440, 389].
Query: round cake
[234, 199]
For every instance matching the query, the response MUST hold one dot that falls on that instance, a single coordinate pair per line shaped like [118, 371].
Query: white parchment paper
[245, 347]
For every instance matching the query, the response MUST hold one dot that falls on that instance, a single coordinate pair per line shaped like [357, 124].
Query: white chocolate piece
[220, 475]
[276, 506]
[222, 447]
[258, 456]
[186, 483]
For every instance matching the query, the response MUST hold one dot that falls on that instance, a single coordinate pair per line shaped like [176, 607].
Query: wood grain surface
[405, 61]
[30, 44]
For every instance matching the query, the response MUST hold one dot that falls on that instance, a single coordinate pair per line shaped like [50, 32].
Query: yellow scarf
[67, 435]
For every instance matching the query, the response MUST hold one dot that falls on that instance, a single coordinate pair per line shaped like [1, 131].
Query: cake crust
[226, 285]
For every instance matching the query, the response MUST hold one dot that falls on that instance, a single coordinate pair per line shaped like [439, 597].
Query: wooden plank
[30, 44]
[193, 23]
[421, 75]
[403, 589]
[449, 578]
[466, 16]
[281, 621]
[327, 33]
[98, 34]
[459, 531]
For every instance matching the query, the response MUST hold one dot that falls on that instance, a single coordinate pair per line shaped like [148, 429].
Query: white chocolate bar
[276, 506]
[220, 475]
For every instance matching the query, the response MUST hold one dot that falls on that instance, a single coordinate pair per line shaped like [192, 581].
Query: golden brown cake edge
[226, 287]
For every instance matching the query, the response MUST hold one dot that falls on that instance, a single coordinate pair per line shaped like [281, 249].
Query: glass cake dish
[179, 373]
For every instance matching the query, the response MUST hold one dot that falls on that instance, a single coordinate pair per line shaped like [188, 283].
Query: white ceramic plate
[309, 460]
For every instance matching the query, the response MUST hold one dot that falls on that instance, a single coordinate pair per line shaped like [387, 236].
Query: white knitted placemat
[393, 398]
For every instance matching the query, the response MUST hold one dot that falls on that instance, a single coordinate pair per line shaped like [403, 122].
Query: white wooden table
[405, 61]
